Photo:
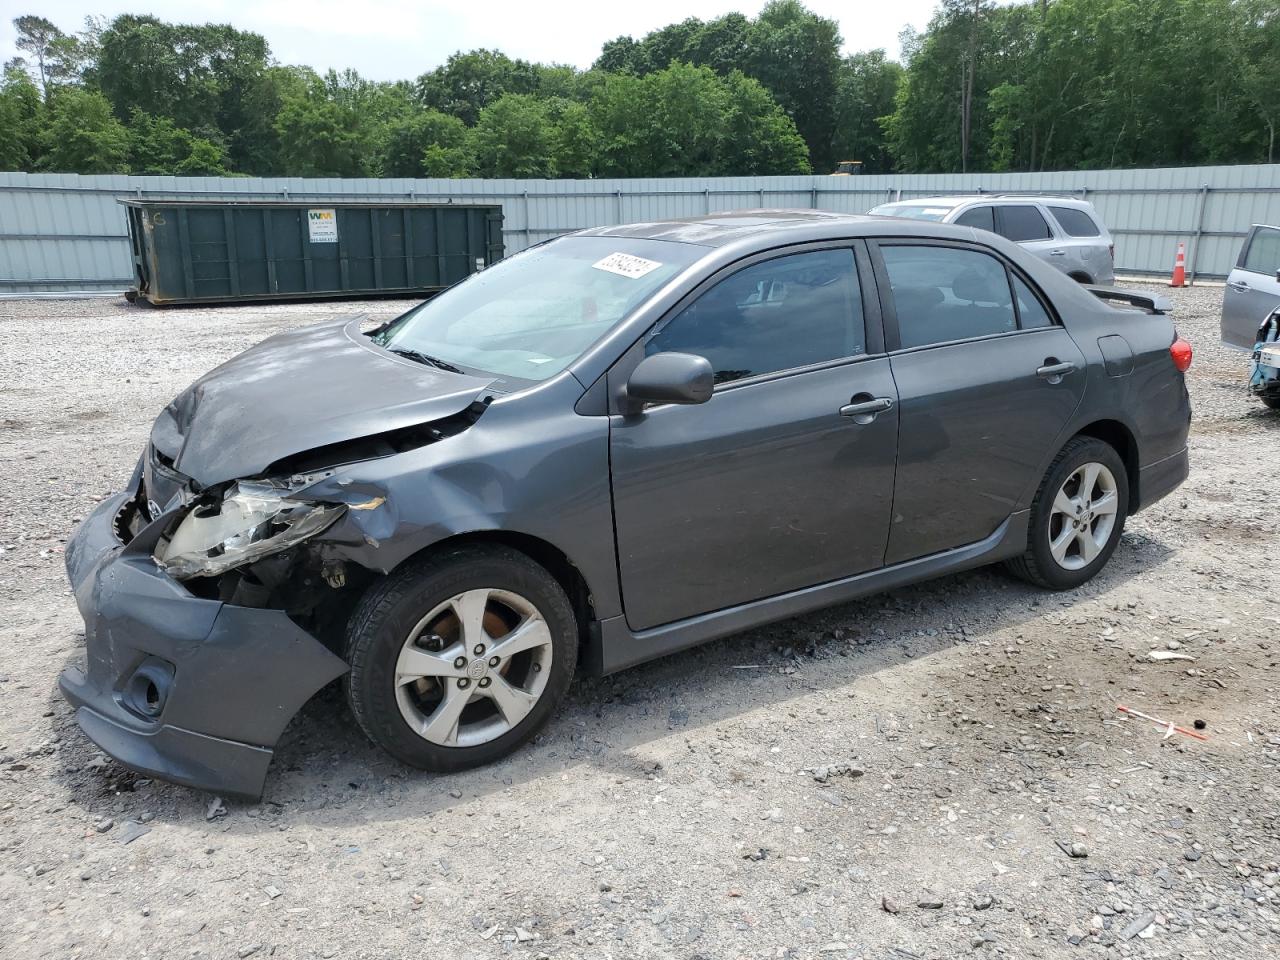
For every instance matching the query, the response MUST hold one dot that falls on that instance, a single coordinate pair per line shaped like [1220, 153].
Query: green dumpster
[207, 251]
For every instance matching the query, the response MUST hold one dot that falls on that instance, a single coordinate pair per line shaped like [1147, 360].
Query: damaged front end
[1264, 375]
[250, 543]
[216, 588]
[177, 683]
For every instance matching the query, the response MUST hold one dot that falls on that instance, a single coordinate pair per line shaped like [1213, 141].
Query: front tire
[460, 658]
[1272, 402]
[1077, 516]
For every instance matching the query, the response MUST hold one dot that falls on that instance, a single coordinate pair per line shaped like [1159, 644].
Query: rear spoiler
[1146, 302]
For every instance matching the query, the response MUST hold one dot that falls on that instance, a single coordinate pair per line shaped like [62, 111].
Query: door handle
[1238, 285]
[1054, 371]
[864, 411]
[1057, 253]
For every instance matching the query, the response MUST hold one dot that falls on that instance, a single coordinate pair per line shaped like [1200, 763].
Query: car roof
[721, 229]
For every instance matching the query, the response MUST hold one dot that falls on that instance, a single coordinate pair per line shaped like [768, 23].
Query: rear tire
[1077, 516]
[460, 658]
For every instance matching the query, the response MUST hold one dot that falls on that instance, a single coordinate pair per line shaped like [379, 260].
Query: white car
[1062, 231]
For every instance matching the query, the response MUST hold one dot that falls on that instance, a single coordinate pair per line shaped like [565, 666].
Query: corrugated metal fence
[64, 232]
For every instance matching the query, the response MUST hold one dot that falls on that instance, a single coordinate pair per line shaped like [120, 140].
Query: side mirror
[671, 378]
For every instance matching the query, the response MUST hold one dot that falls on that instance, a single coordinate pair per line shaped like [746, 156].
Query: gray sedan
[605, 449]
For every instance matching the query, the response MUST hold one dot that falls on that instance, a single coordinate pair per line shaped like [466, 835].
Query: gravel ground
[1005, 807]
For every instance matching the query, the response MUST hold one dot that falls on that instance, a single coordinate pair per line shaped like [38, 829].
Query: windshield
[912, 211]
[530, 316]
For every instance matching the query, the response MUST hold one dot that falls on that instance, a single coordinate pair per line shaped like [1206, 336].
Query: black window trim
[888, 308]
[872, 320]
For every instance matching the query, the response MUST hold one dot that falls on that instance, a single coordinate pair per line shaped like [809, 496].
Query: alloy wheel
[1083, 516]
[473, 668]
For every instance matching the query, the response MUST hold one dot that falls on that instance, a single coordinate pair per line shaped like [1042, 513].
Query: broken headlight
[251, 521]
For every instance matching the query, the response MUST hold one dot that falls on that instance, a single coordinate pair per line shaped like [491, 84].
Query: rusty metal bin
[205, 251]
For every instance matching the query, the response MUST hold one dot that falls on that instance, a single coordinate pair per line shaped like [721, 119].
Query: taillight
[1181, 354]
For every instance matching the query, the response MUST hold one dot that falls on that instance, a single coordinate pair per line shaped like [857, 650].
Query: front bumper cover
[238, 674]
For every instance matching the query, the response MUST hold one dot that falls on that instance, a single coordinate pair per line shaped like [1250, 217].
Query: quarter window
[1031, 312]
[947, 293]
[1021, 222]
[1264, 252]
[789, 312]
[1075, 222]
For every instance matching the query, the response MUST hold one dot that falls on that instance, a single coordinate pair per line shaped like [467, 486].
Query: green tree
[759, 137]
[687, 121]
[317, 140]
[1256, 55]
[514, 137]
[469, 82]
[83, 136]
[195, 75]
[39, 38]
[21, 120]
[866, 86]
[574, 139]
[426, 144]
[158, 146]
[796, 54]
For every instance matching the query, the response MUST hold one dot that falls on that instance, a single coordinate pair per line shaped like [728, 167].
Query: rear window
[1263, 255]
[912, 211]
[1021, 223]
[1075, 222]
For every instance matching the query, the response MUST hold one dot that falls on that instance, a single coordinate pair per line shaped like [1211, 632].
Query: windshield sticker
[625, 265]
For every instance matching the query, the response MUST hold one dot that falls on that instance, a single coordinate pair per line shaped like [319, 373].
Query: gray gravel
[703, 806]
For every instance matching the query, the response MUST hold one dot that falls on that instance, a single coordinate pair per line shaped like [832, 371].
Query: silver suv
[1062, 231]
[1253, 288]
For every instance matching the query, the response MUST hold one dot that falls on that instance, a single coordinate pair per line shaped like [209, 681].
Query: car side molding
[616, 647]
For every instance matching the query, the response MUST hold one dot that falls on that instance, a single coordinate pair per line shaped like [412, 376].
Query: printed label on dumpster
[322, 226]
[626, 265]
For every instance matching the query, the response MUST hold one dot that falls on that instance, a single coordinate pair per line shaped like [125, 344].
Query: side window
[1031, 312]
[981, 217]
[1263, 255]
[1075, 222]
[790, 312]
[1021, 222]
[946, 293]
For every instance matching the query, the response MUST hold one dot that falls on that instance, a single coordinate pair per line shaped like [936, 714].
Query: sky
[386, 40]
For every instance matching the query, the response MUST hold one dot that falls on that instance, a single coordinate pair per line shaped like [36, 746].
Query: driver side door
[783, 479]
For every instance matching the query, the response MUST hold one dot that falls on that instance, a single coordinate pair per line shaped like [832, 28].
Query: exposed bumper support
[223, 680]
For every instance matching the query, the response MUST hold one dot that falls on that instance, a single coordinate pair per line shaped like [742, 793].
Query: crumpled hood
[297, 391]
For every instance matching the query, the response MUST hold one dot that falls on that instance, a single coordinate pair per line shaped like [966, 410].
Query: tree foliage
[989, 85]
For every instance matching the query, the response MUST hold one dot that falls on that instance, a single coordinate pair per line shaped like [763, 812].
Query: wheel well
[1117, 435]
[1079, 277]
[550, 558]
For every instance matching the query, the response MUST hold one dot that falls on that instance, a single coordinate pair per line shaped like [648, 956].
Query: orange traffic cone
[1179, 278]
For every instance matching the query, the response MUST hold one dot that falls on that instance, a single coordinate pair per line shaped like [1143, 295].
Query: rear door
[987, 379]
[1252, 288]
[779, 481]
